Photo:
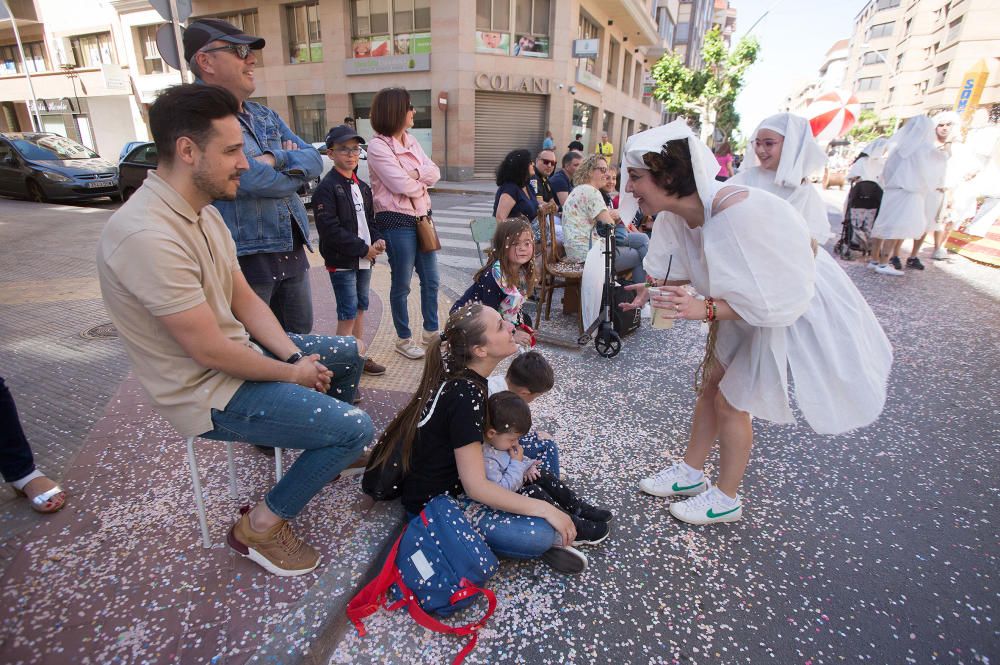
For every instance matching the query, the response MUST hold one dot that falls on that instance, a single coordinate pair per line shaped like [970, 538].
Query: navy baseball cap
[342, 134]
[207, 30]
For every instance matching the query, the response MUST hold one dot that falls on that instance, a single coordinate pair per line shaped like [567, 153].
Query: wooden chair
[557, 273]
[482, 229]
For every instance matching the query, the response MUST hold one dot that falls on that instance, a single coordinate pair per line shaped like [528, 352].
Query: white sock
[726, 500]
[693, 473]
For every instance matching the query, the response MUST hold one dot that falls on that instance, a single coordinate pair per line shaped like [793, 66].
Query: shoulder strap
[372, 597]
[717, 204]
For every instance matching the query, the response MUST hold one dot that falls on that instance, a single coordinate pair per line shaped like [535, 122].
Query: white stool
[199, 497]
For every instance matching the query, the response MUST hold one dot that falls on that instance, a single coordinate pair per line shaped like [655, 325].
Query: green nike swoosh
[711, 514]
[684, 488]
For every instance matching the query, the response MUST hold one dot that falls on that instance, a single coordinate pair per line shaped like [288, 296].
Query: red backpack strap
[427, 621]
[373, 595]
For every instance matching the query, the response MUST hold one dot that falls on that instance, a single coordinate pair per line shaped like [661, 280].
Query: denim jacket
[260, 218]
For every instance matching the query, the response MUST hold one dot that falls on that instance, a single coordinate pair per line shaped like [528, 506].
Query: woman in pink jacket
[400, 175]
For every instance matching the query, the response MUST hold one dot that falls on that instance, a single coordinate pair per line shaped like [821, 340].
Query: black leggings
[16, 460]
[550, 489]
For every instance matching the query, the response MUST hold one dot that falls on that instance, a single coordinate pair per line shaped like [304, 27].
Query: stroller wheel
[608, 343]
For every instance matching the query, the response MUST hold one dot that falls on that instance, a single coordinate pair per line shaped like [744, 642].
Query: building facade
[485, 77]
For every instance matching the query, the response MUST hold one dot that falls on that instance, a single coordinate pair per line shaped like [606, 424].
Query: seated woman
[508, 275]
[440, 434]
[585, 207]
[514, 196]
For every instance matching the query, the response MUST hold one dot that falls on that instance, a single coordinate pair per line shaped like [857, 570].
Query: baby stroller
[863, 202]
[612, 322]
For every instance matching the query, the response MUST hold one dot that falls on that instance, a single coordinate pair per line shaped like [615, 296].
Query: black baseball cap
[207, 30]
[342, 134]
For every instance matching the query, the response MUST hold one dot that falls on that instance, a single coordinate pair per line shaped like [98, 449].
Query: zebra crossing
[457, 247]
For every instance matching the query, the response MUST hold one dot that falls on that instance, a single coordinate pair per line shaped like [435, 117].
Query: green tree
[869, 127]
[707, 95]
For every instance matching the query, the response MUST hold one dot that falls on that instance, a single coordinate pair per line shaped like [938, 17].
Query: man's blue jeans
[404, 256]
[329, 430]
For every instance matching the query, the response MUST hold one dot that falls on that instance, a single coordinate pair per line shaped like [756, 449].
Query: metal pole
[37, 119]
[446, 174]
[180, 41]
[766, 12]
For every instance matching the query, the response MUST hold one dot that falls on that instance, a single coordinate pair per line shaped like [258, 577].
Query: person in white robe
[783, 156]
[741, 258]
[958, 202]
[913, 174]
[870, 162]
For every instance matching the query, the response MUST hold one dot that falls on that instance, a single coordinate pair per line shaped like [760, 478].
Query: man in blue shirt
[268, 220]
[561, 183]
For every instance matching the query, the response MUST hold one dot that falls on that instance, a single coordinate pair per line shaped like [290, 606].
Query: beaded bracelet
[710, 309]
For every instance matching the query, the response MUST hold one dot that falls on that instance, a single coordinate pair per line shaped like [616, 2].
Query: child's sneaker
[587, 512]
[674, 480]
[708, 508]
[565, 559]
[590, 533]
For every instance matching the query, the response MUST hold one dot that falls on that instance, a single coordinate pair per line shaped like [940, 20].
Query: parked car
[134, 166]
[48, 167]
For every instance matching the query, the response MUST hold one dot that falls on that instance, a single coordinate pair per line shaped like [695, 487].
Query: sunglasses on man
[548, 162]
[242, 51]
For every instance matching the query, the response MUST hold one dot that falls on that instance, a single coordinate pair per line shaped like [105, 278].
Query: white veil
[916, 135]
[801, 156]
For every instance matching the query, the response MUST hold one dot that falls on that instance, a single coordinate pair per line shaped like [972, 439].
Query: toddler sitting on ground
[506, 465]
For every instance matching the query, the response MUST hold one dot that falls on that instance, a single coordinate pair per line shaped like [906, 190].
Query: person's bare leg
[916, 245]
[876, 250]
[358, 329]
[704, 424]
[896, 246]
[735, 443]
[345, 328]
[261, 518]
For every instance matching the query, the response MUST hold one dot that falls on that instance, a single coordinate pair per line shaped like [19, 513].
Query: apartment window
[614, 52]
[868, 106]
[247, 22]
[588, 29]
[954, 28]
[899, 61]
[941, 75]
[606, 122]
[627, 74]
[909, 26]
[921, 88]
[666, 26]
[637, 84]
[309, 117]
[683, 33]
[869, 83]
[880, 30]
[892, 92]
[150, 61]
[886, 4]
[532, 17]
[304, 39]
[10, 59]
[513, 27]
[874, 57]
[411, 16]
[92, 50]
[493, 15]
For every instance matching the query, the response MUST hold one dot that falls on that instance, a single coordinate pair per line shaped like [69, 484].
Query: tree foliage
[869, 127]
[708, 94]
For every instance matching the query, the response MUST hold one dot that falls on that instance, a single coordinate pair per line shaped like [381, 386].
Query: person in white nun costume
[741, 259]
[784, 155]
[958, 202]
[870, 162]
[914, 171]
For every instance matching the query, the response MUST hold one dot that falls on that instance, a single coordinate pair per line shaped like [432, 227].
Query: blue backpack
[438, 565]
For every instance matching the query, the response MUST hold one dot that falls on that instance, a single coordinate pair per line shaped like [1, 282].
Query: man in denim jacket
[268, 220]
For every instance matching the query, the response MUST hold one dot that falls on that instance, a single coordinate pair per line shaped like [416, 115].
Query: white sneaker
[409, 348]
[708, 508]
[887, 269]
[872, 265]
[940, 254]
[673, 480]
[429, 336]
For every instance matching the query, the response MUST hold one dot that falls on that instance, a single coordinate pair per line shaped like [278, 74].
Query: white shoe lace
[665, 474]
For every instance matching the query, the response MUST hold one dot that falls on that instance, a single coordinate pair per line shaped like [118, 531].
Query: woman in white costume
[914, 170]
[784, 155]
[774, 308]
[869, 164]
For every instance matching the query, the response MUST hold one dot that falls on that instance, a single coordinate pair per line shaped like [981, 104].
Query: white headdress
[949, 117]
[801, 156]
[916, 135]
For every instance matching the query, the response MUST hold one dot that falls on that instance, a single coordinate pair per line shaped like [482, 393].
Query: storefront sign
[415, 62]
[63, 105]
[513, 83]
[586, 48]
[590, 80]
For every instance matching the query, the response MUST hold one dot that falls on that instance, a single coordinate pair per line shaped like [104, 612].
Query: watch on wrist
[295, 357]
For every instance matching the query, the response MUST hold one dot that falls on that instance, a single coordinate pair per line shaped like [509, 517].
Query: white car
[328, 164]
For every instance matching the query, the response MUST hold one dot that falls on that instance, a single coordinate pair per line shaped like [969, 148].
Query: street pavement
[878, 546]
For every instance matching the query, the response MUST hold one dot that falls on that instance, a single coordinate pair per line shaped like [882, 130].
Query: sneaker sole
[566, 560]
[593, 542]
[702, 521]
[409, 354]
[262, 561]
[668, 493]
[374, 373]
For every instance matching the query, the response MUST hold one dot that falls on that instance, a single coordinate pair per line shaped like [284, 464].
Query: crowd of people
[203, 272]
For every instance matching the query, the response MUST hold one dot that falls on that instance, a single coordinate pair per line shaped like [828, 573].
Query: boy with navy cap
[349, 242]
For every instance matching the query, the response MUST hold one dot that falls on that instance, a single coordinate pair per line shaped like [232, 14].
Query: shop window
[304, 38]
[247, 21]
[10, 59]
[309, 117]
[92, 50]
[513, 27]
[390, 27]
[150, 61]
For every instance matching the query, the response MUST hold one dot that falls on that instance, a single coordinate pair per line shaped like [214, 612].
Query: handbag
[427, 235]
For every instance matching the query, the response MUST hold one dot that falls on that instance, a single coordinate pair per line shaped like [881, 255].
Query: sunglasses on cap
[242, 51]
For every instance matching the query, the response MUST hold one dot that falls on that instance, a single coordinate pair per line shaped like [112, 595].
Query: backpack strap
[372, 597]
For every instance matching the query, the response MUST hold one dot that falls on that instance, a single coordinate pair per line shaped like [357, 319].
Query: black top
[540, 184]
[523, 204]
[576, 145]
[458, 420]
[337, 221]
[268, 267]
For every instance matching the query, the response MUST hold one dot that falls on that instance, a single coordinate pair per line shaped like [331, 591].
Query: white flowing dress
[800, 314]
[911, 197]
[803, 198]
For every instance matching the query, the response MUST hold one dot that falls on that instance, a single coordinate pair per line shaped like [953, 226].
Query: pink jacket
[393, 188]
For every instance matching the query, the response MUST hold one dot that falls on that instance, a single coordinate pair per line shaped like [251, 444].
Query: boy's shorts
[350, 288]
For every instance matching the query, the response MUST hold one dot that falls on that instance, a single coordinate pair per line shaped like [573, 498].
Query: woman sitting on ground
[444, 454]
[585, 207]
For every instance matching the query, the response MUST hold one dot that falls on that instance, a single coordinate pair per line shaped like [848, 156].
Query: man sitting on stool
[174, 289]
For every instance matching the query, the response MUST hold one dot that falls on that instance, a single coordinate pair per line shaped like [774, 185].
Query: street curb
[448, 190]
[322, 611]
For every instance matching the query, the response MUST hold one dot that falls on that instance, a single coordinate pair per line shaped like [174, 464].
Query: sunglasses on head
[242, 51]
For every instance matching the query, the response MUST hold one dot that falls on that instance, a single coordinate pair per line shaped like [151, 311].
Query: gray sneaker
[407, 347]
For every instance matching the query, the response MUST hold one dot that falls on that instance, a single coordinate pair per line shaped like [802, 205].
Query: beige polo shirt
[157, 256]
